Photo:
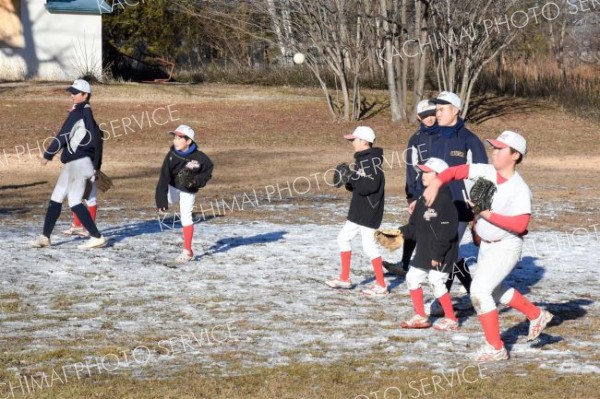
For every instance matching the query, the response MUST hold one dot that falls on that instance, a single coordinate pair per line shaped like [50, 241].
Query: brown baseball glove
[390, 239]
[103, 182]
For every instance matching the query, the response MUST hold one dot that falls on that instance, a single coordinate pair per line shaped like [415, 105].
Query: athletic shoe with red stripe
[537, 326]
[416, 321]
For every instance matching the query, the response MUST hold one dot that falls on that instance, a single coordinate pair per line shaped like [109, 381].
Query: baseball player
[435, 229]
[429, 128]
[451, 141]
[367, 185]
[80, 141]
[501, 229]
[184, 154]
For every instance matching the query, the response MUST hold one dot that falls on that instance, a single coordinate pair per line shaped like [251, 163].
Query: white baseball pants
[350, 230]
[186, 204]
[71, 181]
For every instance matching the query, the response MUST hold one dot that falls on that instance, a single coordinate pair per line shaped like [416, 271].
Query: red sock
[491, 328]
[346, 256]
[93, 210]
[188, 233]
[378, 268]
[417, 300]
[446, 303]
[76, 221]
[522, 304]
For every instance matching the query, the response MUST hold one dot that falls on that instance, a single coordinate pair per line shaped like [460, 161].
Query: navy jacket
[172, 165]
[366, 206]
[78, 137]
[435, 231]
[460, 148]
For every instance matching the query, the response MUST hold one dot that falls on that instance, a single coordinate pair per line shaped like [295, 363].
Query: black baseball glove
[186, 178]
[342, 175]
[482, 195]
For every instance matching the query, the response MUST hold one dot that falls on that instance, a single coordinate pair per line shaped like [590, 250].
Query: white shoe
[375, 291]
[487, 353]
[185, 256]
[76, 231]
[41, 241]
[537, 326]
[93, 243]
[337, 283]
[446, 324]
[416, 321]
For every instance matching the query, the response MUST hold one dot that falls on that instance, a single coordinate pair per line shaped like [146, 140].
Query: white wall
[56, 46]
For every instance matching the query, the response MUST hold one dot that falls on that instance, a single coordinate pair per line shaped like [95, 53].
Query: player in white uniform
[501, 229]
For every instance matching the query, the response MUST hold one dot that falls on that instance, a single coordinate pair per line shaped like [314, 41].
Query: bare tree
[467, 37]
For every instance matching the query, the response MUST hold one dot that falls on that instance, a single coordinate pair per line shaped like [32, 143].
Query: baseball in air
[299, 58]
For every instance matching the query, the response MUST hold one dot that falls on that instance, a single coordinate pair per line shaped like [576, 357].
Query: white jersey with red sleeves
[512, 198]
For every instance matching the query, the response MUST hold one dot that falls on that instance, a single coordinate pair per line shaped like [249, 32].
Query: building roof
[92, 7]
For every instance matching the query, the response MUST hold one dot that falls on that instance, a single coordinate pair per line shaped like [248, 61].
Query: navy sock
[86, 220]
[52, 215]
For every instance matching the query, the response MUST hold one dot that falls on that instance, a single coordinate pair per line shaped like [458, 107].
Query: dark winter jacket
[79, 137]
[435, 231]
[366, 206]
[453, 145]
[172, 164]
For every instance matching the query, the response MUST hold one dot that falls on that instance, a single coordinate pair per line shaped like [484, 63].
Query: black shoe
[394, 268]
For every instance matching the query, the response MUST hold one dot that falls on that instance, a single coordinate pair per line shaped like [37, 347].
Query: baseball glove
[482, 195]
[342, 175]
[186, 178]
[103, 182]
[390, 239]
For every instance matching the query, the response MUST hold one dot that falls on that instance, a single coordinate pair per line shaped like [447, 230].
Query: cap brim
[425, 114]
[350, 137]
[425, 168]
[497, 143]
[441, 102]
[73, 90]
[176, 133]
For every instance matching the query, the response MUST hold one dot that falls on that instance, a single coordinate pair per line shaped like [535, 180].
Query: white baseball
[299, 58]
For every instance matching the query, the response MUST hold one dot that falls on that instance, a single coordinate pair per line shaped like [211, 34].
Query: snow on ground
[258, 288]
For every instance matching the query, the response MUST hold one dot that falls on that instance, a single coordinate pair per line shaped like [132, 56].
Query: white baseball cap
[510, 139]
[79, 86]
[184, 131]
[425, 108]
[447, 97]
[436, 165]
[362, 132]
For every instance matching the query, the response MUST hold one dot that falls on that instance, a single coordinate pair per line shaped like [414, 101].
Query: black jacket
[172, 164]
[435, 231]
[429, 143]
[80, 116]
[366, 206]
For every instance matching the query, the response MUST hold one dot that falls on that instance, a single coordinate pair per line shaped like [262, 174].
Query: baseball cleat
[417, 321]
[446, 324]
[375, 291]
[74, 231]
[537, 326]
[337, 283]
[41, 241]
[487, 353]
[185, 256]
[93, 243]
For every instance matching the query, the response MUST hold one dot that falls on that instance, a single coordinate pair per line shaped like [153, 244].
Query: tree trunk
[389, 65]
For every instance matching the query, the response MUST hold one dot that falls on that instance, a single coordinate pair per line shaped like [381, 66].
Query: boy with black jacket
[184, 154]
[434, 228]
[367, 185]
[80, 141]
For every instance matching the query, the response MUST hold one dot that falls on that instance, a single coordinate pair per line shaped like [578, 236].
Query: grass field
[273, 145]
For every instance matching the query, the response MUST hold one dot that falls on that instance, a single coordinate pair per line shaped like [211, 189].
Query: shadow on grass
[225, 244]
[486, 107]
[17, 186]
